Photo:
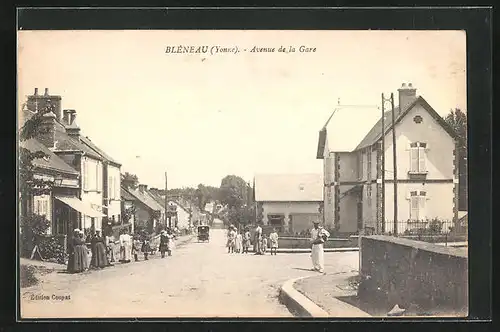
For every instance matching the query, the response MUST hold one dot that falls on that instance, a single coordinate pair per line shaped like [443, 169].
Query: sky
[200, 117]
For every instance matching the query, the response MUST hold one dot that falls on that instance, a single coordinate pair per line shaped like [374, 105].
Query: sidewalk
[318, 296]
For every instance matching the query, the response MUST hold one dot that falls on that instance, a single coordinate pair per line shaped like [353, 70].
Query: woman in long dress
[99, 259]
[77, 253]
[125, 247]
[163, 243]
[86, 260]
[238, 244]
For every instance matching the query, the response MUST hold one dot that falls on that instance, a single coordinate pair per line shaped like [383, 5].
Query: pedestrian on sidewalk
[125, 247]
[257, 241]
[273, 237]
[146, 247]
[238, 244]
[319, 235]
[136, 247]
[99, 259]
[247, 239]
[163, 243]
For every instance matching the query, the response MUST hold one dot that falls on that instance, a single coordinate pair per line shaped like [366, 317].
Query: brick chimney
[407, 95]
[38, 102]
[46, 134]
[65, 119]
[72, 128]
[143, 188]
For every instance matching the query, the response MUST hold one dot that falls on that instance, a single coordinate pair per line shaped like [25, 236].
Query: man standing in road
[257, 240]
[319, 235]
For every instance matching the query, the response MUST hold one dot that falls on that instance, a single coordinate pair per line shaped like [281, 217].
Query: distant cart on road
[204, 233]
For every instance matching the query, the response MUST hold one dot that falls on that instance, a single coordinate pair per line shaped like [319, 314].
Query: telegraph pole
[383, 164]
[166, 201]
[395, 167]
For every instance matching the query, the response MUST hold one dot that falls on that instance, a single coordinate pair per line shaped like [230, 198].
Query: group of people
[240, 243]
[103, 249]
[79, 255]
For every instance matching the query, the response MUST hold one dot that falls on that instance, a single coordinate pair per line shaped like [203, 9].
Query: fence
[429, 230]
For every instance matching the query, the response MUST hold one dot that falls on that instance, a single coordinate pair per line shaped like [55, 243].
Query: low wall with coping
[305, 243]
[412, 273]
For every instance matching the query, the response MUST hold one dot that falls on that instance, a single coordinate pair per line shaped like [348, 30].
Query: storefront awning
[80, 206]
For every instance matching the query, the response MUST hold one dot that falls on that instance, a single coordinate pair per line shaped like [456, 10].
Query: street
[198, 280]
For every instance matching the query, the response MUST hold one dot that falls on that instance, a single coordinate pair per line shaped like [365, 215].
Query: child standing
[273, 237]
[136, 247]
[264, 244]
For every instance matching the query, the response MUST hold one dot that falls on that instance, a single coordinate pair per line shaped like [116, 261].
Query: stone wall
[305, 243]
[429, 277]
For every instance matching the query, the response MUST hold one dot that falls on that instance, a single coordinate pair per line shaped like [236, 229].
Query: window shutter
[414, 208]
[421, 210]
[421, 159]
[86, 175]
[414, 159]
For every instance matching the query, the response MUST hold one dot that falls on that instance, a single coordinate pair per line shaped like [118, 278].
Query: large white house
[427, 170]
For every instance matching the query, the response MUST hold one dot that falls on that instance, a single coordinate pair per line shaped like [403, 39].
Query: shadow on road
[302, 269]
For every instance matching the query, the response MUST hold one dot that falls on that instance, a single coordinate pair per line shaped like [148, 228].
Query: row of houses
[86, 191]
[349, 195]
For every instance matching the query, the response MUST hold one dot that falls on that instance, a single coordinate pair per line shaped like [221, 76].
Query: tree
[458, 121]
[235, 193]
[129, 180]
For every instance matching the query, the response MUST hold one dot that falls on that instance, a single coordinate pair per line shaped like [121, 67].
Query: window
[98, 176]
[417, 157]
[85, 175]
[417, 205]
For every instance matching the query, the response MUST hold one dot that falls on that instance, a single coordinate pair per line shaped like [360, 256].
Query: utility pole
[383, 164]
[166, 201]
[395, 167]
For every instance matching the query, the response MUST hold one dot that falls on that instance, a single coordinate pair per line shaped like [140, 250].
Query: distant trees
[236, 194]
[129, 180]
[457, 119]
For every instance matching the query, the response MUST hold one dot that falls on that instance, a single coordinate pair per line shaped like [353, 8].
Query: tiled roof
[90, 144]
[146, 199]
[65, 142]
[125, 195]
[346, 128]
[376, 132]
[160, 200]
[289, 187]
[53, 162]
